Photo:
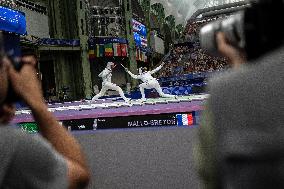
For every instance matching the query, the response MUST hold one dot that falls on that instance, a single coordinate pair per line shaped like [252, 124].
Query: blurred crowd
[188, 57]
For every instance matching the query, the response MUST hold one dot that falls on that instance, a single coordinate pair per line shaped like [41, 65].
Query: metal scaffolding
[211, 3]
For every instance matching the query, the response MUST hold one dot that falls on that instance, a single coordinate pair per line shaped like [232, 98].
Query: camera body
[12, 25]
[10, 48]
[256, 30]
[233, 29]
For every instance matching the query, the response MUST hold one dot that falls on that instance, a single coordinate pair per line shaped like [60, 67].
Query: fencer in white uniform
[149, 82]
[106, 75]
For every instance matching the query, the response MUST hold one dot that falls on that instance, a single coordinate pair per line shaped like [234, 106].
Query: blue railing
[185, 84]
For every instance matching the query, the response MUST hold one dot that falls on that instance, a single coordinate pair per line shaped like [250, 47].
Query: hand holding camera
[25, 83]
[253, 30]
[235, 56]
[7, 112]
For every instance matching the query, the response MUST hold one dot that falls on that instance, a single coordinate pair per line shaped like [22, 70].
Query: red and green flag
[92, 54]
[108, 49]
[124, 50]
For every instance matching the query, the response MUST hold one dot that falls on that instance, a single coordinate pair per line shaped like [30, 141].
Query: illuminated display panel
[140, 33]
[29, 127]
[139, 28]
[139, 121]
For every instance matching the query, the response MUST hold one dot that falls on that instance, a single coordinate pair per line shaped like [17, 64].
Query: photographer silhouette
[241, 137]
[51, 160]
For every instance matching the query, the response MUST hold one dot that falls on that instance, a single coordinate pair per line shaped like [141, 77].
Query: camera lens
[232, 27]
[208, 37]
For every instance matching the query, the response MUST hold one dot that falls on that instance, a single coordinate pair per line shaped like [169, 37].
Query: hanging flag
[146, 58]
[92, 54]
[123, 49]
[119, 53]
[184, 119]
[97, 50]
[140, 55]
[101, 50]
[115, 53]
[116, 49]
[108, 49]
[137, 54]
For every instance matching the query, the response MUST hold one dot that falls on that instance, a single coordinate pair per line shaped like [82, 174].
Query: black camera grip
[11, 95]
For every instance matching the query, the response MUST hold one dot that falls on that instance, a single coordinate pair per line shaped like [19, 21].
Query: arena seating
[188, 57]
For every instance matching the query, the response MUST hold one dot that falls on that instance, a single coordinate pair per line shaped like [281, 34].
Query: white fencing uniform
[149, 82]
[107, 84]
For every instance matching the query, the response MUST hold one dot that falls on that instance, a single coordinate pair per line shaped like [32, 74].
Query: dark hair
[29, 52]
[32, 53]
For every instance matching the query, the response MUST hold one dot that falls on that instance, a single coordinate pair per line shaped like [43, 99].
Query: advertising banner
[139, 121]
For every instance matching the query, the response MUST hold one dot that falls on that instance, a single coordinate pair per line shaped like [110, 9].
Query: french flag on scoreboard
[184, 119]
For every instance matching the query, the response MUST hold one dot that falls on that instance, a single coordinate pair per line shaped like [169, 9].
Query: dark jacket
[241, 137]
